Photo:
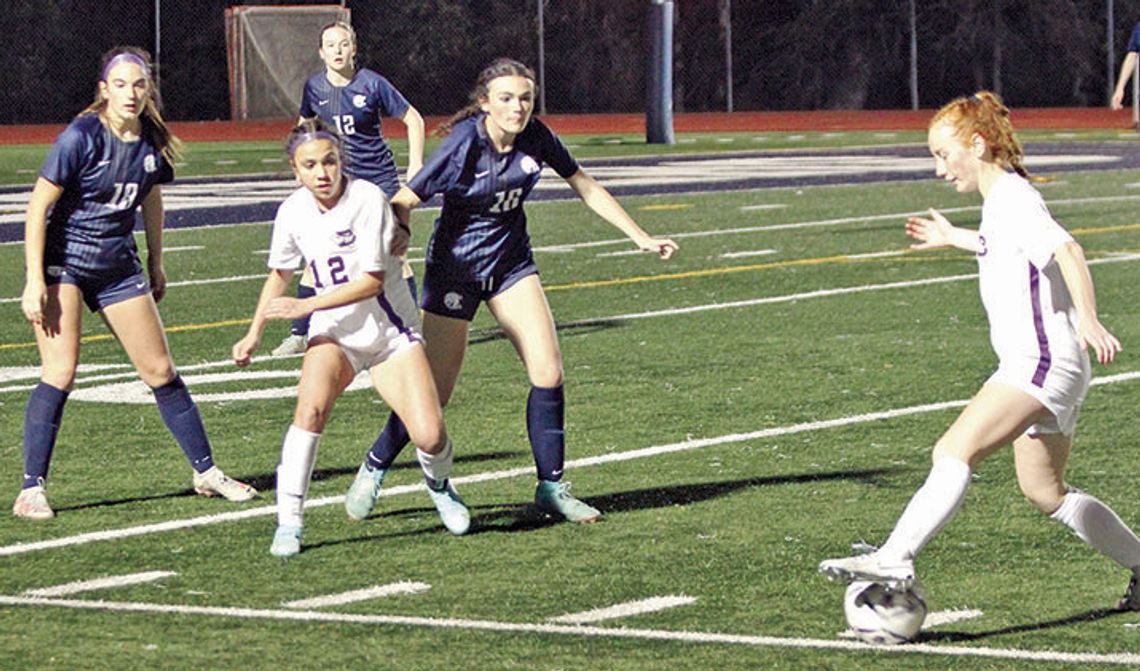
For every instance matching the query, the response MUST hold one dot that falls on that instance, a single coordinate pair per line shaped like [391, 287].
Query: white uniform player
[1033, 323]
[1039, 297]
[344, 231]
[338, 246]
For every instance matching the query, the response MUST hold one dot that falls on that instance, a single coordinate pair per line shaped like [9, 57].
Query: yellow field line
[842, 258]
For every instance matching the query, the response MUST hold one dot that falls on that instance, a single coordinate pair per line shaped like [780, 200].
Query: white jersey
[1031, 314]
[339, 246]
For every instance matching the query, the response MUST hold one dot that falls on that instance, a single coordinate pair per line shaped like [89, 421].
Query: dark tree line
[787, 54]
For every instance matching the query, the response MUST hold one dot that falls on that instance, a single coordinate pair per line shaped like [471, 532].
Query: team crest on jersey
[452, 301]
[359, 101]
[529, 165]
[345, 238]
[149, 164]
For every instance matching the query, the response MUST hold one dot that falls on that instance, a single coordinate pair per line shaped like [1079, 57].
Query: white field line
[99, 583]
[187, 248]
[694, 234]
[941, 617]
[375, 592]
[33, 372]
[820, 223]
[788, 298]
[308, 616]
[628, 609]
[769, 206]
[613, 457]
[754, 252]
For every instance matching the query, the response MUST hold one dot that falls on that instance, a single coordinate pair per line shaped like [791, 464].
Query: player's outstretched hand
[244, 349]
[931, 233]
[1095, 335]
[663, 247]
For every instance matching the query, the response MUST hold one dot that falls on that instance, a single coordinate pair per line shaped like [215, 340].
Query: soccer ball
[883, 617]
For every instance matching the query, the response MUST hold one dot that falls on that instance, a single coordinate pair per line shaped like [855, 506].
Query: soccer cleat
[555, 498]
[32, 504]
[286, 541]
[361, 496]
[895, 574]
[216, 483]
[1131, 598]
[452, 510]
[292, 344]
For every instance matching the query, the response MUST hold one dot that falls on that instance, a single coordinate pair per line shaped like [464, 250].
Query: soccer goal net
[270, 52]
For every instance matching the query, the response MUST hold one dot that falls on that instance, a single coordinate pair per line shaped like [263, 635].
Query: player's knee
[157, 373]
[548, 376]
[310, 417]
[429, 437]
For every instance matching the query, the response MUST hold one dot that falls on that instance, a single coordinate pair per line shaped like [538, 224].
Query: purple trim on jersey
[1045, 359]
[393, 316]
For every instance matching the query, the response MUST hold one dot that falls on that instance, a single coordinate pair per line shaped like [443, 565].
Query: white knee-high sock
[298, 454]
[1100, 527]
[436, 467]
[929, 509]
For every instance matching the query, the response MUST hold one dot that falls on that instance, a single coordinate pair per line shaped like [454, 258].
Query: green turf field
[725, 410]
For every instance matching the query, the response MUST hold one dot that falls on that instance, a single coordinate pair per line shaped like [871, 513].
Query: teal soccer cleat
[452, 510]
[365, 489]
[555, 498]
[286, 541]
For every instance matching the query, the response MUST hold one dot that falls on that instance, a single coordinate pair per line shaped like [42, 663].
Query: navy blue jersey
[104, 180]
[355, 110]
[481, 230]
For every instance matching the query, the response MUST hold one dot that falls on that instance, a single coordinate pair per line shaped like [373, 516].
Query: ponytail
[984, 113]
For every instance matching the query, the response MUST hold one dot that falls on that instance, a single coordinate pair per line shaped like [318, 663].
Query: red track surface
[570, 124]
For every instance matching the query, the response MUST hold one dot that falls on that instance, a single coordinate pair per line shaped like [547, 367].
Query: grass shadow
[962, 636]
[267, 482]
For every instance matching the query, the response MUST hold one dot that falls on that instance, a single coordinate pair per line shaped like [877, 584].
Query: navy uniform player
[1132, 53]
[80, 249]
[480, 252]
[355, 103]
[1038, 294]
[344, 230]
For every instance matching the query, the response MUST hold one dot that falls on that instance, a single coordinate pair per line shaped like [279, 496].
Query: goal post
[270, 52]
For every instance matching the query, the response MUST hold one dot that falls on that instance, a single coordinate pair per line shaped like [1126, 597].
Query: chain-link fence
[747, 54]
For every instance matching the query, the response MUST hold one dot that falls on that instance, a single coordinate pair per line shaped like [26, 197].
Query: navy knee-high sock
[545, 421]
[41, 426]
[387, 447]
[181, 416]
[301, 325]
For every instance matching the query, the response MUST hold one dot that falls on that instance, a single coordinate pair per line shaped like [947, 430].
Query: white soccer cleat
[32, 504]
[452, 510]
[292, 344]
[216, 483]
[286, 541]
[895, 574]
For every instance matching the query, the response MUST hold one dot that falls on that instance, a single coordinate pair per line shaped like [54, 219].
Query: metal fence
[728, 54]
